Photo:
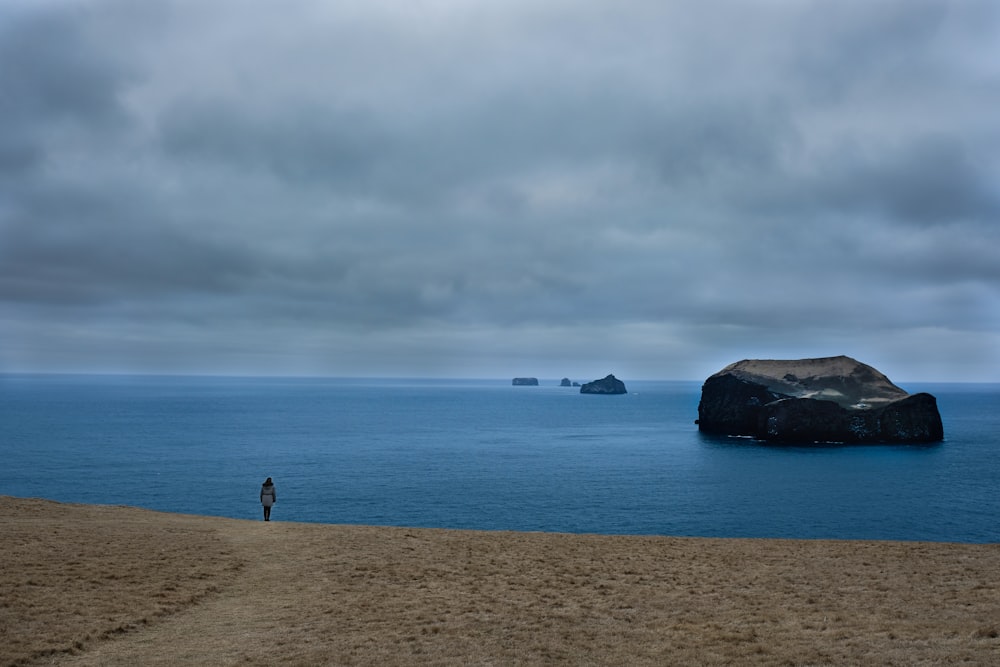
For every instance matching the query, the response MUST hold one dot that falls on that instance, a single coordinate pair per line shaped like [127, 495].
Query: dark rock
[525, 382]
[830, 399]
[565, 383]
[609, 385]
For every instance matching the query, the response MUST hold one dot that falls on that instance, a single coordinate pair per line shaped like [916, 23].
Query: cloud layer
[498, 189]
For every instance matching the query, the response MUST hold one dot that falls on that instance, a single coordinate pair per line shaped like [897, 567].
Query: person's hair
[267, 481]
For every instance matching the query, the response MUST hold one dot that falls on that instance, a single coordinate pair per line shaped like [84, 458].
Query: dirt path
[225, 628]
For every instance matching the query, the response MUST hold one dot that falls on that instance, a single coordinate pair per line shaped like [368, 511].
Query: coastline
[116, 585]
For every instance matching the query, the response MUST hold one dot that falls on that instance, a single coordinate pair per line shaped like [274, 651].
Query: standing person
[267, 497]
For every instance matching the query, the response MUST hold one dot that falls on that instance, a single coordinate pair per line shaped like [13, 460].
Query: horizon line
[385, 377]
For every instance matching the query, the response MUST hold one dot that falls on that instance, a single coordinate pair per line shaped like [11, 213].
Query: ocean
[482, 454]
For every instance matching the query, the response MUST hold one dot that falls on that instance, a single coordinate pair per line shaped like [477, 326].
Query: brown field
[100, 585]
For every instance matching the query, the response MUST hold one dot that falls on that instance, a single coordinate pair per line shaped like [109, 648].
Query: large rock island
[609, 385]
[830, 399]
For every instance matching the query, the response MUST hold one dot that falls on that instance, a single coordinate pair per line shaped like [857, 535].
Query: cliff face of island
[829, 399]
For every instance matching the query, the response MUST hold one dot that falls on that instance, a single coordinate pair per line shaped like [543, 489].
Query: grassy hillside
[98, 585]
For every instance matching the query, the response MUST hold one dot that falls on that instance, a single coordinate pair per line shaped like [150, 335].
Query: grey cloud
[50, 69]
[933, 179]
[78, 262]
[301, 145]
[414, 183]
[52, 74]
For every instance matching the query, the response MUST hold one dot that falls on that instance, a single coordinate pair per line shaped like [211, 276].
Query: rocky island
[829, 399]
[608, 385]
[525, 382]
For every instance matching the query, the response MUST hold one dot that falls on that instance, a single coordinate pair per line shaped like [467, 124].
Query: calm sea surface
[486, 455]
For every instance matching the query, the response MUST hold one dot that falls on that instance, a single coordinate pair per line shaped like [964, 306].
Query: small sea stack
[607, 385]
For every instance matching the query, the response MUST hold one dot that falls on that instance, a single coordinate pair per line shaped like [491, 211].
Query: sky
[486, 189]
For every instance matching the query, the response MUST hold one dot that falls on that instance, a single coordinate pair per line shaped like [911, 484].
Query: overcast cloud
[489, 189]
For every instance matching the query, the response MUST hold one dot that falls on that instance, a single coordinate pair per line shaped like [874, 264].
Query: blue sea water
[486, 455]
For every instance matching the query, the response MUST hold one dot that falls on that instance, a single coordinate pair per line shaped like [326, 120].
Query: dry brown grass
[94, 585]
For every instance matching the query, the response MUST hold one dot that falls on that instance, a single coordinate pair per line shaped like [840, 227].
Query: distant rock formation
[525, 382]
[565, 383]
[830, 399]
[609, 385]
